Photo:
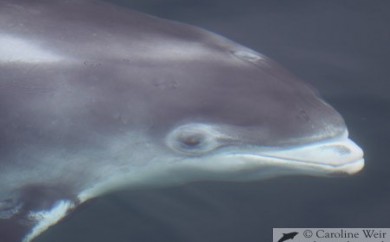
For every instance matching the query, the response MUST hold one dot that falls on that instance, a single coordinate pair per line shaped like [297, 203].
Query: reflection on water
[341, 47]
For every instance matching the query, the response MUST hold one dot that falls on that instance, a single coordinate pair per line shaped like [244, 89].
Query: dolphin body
[94, 97]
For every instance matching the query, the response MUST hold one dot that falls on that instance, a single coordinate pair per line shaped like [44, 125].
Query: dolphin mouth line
[328, 157]
[351, 167]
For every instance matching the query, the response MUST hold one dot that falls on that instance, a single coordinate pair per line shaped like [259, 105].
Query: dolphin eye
[193, 139]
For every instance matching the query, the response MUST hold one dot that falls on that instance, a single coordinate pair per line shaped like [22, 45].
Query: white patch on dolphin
[18, 49]
[45, 219]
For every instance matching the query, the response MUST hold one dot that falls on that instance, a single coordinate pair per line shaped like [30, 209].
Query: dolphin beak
[327, 158]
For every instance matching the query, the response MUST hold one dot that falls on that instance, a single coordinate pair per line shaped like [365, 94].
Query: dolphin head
[94, 98]
[233, 114]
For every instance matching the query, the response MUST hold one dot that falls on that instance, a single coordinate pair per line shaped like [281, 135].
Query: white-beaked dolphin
[94, 97]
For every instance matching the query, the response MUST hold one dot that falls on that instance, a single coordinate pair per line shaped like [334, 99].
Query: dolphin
[95, 97]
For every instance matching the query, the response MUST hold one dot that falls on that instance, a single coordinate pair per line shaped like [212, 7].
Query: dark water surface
[339, 46]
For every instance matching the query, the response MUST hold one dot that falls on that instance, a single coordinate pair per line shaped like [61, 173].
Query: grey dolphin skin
[95, 97]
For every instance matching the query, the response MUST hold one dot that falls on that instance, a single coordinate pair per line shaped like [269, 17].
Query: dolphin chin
[334, 156]
[339, 156]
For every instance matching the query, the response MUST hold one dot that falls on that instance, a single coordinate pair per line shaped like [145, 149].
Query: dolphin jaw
[336, 156]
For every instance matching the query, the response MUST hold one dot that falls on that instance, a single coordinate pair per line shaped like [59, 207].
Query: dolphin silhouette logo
[287, 236]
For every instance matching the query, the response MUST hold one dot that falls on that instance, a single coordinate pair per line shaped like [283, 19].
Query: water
[342, 48]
